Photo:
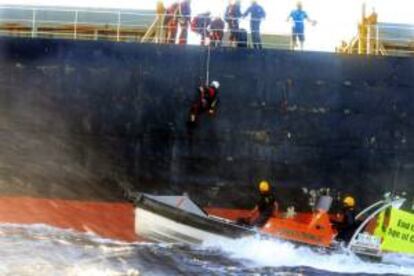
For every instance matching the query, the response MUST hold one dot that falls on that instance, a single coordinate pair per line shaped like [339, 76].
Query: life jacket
[211, 92]
[266, 203]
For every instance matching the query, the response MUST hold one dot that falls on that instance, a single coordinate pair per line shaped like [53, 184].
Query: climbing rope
[208, 65]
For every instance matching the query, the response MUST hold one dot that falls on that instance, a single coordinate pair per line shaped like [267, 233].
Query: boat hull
[158, 228]
[158, 221]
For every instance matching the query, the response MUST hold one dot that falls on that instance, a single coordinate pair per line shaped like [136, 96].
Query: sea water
[44, 250]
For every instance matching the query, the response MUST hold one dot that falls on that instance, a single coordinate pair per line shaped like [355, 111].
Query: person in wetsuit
[347, 224]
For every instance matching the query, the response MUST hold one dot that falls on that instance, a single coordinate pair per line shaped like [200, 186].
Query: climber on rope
[206, 101]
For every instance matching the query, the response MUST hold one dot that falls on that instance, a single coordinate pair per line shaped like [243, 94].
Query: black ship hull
[85, 119]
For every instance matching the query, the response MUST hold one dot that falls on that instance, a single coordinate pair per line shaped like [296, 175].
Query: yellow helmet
[349, 201]
[264, 186]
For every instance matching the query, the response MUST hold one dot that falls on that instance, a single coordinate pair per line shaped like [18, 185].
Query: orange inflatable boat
[178, 219]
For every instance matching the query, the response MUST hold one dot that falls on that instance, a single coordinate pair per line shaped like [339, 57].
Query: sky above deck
[337, 19]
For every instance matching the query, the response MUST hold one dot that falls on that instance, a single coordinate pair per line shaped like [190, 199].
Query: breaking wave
[43, 250]
[259, 252]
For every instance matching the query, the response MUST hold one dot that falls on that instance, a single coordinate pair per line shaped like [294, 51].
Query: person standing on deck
[232, 16]
[257, 13]
[171, 23]
[184, 19]
[216, 32]
[298, 17]
[200, 25]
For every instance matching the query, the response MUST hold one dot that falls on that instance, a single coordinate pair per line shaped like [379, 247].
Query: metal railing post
[118, 29]
[395, 202]
[369, 39]
[377, 40]
[33, 23]
[75, 25]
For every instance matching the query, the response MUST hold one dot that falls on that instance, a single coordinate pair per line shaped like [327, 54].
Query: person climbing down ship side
[206, 101]
[347, 223]
[264, 209]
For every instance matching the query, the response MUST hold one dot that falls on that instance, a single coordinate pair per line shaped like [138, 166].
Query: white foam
[47, 250]
[275, 253]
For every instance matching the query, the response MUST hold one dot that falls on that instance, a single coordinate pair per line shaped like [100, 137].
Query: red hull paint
[115, 220]
[109, 220]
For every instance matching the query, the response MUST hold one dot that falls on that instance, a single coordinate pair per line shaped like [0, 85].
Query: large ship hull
[85, 119]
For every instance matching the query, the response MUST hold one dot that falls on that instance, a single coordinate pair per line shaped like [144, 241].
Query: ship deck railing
[100, 24]
[144, 26]
[383, 39]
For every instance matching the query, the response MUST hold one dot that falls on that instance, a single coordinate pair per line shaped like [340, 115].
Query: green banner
[397, 232]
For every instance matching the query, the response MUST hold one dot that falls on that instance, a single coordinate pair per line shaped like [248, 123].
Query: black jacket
[348, 225]
[266, 203]
[265, 206]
